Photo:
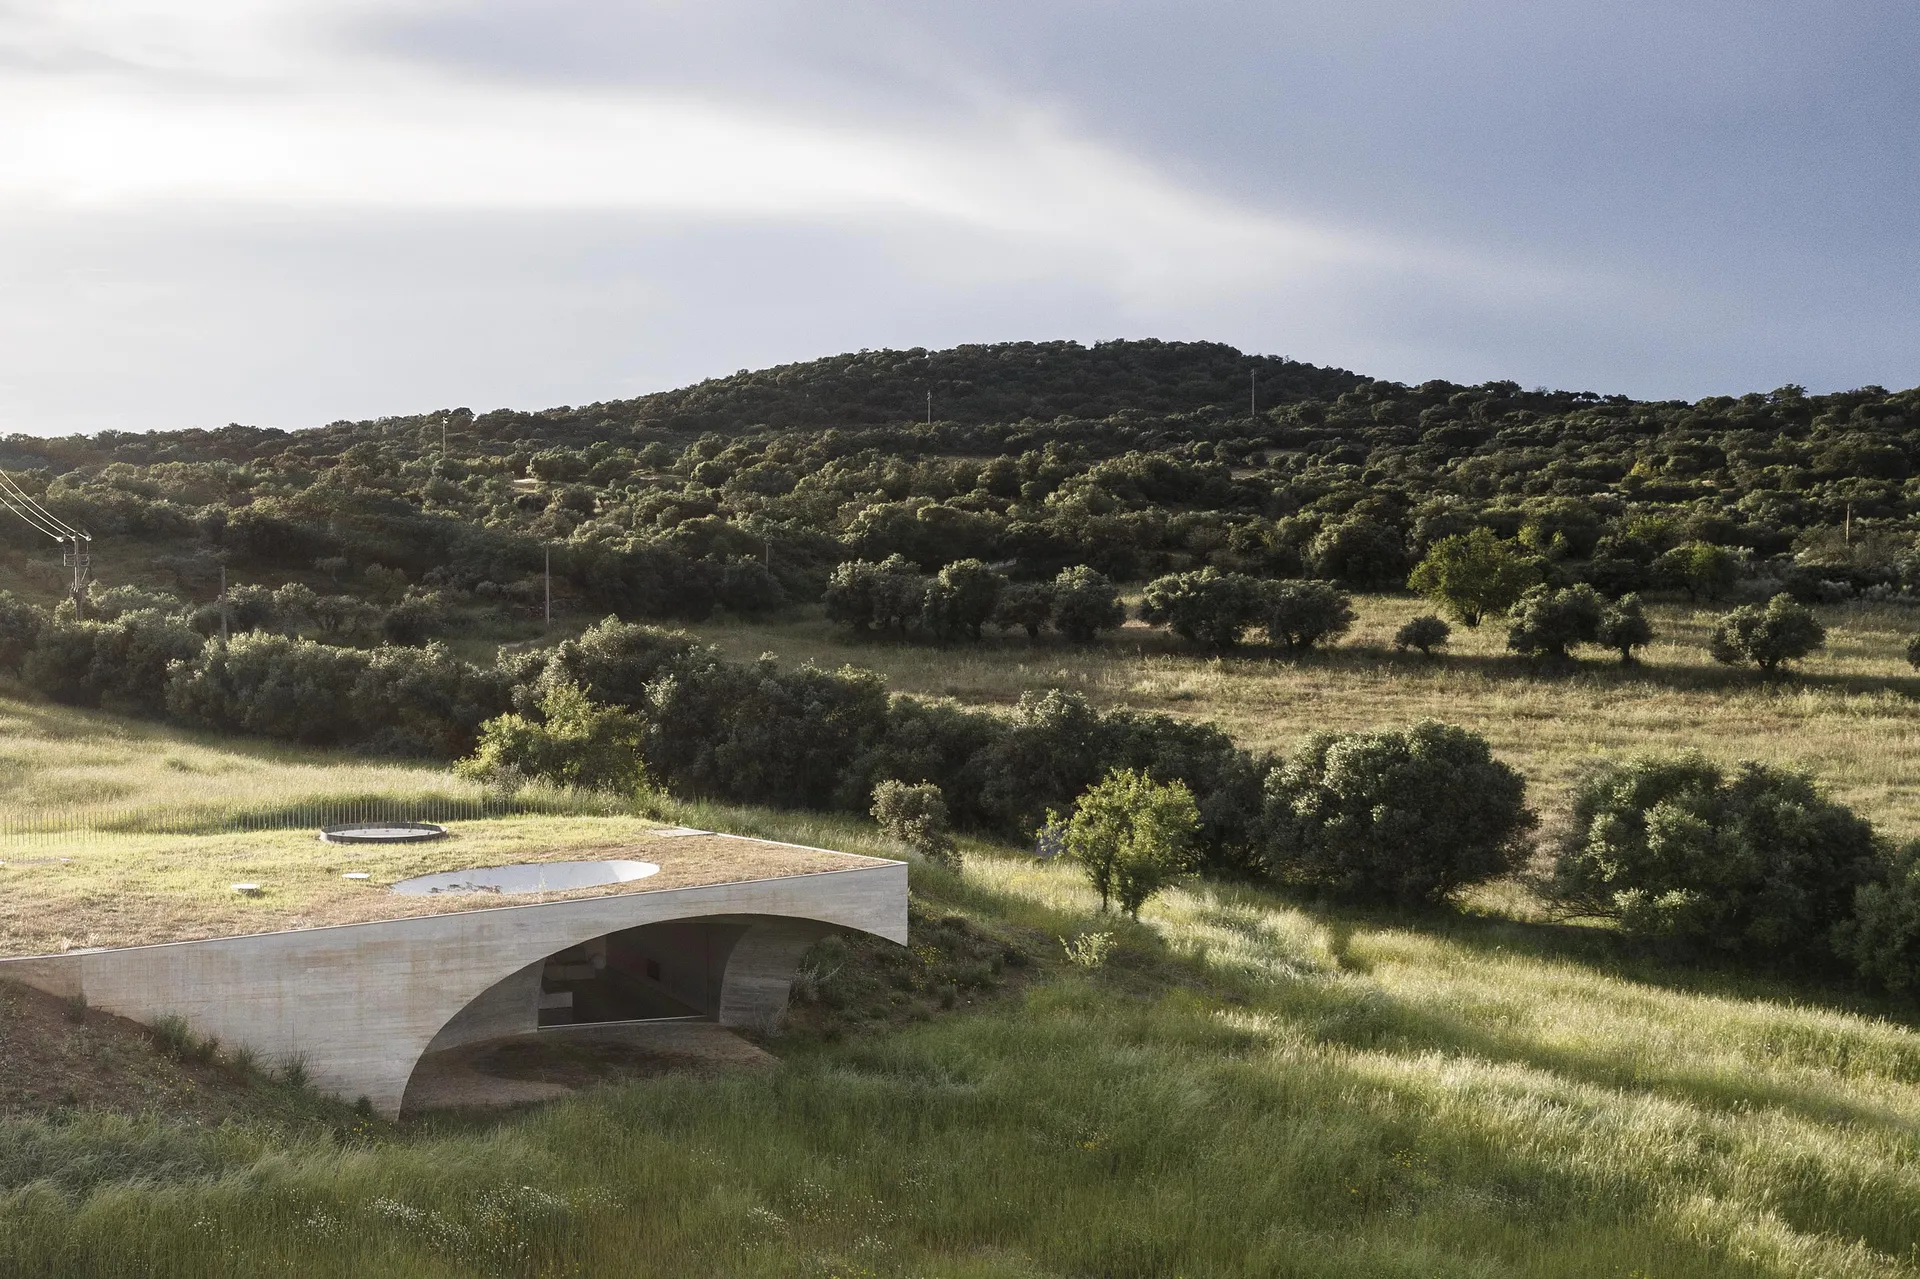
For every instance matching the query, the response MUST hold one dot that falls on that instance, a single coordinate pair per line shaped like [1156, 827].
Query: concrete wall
[359, 1003]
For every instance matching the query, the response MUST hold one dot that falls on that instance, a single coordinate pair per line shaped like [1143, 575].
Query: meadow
[1236, 1085]
[1239, 1084]
[1850, 714]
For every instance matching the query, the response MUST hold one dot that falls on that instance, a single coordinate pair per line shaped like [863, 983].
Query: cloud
[1486, 189]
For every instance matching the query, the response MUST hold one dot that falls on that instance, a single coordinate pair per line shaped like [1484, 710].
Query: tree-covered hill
[1135, 458]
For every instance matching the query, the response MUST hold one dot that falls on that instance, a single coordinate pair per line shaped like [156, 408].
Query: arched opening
[671, 987]
[655, 972]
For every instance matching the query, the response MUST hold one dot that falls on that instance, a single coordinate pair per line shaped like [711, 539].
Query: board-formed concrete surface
[358, 1004]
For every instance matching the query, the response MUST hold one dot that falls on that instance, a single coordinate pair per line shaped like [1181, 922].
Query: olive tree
[1206, 607]
[1132, 836]
[1783, 631]
[1025, 606]
[1425, 633]
[960, 599]
[1406, 816]
[1084, 604]
[1698, 568]
[1755, 862]
[1546, 622]
[1299, 615]
[916, 815]
[1475, 575]
[1624, 627]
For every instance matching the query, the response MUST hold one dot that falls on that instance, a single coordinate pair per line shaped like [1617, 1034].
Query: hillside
[1136, 458]
[1235, 1086]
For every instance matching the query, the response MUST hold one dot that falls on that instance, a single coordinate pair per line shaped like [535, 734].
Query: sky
[287, 212]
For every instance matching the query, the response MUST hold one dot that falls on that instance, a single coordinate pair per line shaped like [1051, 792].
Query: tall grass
[1852, 715]
[1240, 1087]
[68, 775]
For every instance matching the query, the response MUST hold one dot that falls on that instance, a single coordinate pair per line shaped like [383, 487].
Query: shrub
[121, 665]
[1206, 607]
[1026, 606]
[755, 734]
[1475, 575]
[1698, 568]
[1361, 552]
[1624, 627]
[1882, 939]
[1548, 622]
[1131, 835]
[20, 627]
[573, 743]
[1757, 864]
[960, 599]
[1299, 615]
[339, 617]
[413, 619]
[295, 690]
[1404, 816]
[1084, 604]
[916, 815]
[866, 596]
[1425, 633]
[1783, 631]
[1913, 652]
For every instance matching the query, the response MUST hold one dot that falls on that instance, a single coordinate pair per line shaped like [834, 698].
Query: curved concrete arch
[360, 1003]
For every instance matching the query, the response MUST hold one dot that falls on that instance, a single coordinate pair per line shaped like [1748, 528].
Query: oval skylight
[533, 877]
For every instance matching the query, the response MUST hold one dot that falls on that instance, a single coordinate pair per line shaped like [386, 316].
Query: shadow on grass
[1607, 674]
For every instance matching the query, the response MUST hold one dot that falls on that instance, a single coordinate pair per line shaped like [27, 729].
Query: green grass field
[1243, 1086]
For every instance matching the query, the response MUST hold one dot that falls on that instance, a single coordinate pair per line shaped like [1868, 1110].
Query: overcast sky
[290, 211]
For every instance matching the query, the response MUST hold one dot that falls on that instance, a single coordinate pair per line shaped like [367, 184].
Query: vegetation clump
[1881, 940]
[1548, 622]
[1404, 816]
[1624, 627]
[1475, 575]
[1300, 615]
[1084, 603]
[1425, 633]
[1205, 607]
[572, 742]
[1784, 631]
[1132, 837]
[916, 816]
[1754, 863]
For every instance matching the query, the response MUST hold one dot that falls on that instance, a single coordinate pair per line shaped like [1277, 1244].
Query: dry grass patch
[1852, 715]
[137, 890]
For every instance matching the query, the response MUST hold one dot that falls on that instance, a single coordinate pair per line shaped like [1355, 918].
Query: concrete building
[360, 1003]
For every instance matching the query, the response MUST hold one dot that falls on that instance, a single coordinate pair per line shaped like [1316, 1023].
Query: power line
[29, 517]
[47, 517]
[19, 502]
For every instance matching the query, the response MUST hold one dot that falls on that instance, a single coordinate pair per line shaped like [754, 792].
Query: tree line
[1134, 460]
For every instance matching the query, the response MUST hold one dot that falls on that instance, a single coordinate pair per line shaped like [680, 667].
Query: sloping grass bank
[1240, 1087]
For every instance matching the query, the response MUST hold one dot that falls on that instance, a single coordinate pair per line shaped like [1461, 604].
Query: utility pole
[1253, 394]
[81, 562]
[929, 408]
[223, 603]
[549, 625]
[1848, 534]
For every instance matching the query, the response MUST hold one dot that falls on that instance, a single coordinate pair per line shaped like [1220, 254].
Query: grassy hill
[1239, 1084]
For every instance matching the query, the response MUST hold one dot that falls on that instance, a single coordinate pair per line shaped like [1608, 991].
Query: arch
[360, 1003]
